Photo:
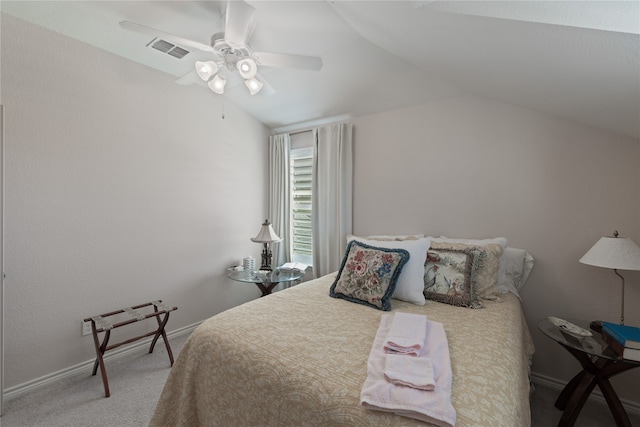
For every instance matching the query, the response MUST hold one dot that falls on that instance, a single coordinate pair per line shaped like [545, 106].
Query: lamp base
[267, 257]
[596, 325]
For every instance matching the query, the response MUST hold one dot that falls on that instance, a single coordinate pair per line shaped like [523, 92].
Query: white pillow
[410, 285]
[518, 263]
[529, 262]
[510, 273]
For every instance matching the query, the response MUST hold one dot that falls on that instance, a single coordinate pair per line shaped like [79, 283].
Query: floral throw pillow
[450, 276]
[368, 275]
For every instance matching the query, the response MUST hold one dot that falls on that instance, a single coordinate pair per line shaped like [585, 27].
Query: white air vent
[168, 48]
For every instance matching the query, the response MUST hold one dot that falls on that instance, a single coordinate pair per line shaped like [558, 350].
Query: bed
[299, 357]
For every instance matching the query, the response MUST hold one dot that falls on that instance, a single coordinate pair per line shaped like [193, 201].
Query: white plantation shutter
[301, 207]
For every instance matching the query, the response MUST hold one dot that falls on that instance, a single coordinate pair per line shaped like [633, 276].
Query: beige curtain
[279, 146]
[332, 195]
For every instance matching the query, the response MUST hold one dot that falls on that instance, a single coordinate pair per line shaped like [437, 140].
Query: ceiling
[576, 59]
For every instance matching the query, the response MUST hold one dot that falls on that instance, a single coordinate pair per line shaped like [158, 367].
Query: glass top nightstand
[599, 363]
[265, 280]
[593, 345]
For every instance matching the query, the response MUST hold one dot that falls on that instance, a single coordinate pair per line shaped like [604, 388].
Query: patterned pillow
[368, 275]
[450, 276]
[488, 270]
[410, 283]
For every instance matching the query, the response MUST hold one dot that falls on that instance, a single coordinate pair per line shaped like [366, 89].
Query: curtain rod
[310, 124]
[300, 131]
[297, 132]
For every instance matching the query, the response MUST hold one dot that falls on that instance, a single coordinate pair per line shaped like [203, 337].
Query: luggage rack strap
[99, 324]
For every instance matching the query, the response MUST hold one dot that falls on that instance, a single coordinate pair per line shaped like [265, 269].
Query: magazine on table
[289, 266]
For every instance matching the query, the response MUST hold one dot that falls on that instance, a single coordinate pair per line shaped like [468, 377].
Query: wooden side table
[599, 363]
[265, 280]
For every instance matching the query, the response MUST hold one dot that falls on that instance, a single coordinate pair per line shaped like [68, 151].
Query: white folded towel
[415, 372]
[406, 335]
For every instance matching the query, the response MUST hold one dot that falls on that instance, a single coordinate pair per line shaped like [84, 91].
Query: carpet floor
[136, 381]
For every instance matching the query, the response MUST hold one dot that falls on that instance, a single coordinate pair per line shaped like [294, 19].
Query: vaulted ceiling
[576, 59]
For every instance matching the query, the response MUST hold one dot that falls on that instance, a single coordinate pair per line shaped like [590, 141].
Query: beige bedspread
[299, 358]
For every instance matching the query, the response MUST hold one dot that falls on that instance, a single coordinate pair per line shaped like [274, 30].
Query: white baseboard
[21, 389]
[596, 395]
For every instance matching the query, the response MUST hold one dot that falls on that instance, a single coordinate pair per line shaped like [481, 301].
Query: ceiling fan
[231, 51]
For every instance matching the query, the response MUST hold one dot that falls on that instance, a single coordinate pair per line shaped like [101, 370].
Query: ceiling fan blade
[239, 22]
[284, 60]
[189, 78]
[167, 36]
[267, 89]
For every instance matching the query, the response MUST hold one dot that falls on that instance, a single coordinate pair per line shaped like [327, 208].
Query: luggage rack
[100, 324]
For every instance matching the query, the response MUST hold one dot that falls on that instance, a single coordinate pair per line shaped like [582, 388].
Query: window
[301, 206]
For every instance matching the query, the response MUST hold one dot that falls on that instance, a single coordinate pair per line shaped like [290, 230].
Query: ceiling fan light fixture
[206, 69]
[247, 68]
[254, 85]
[217, 84]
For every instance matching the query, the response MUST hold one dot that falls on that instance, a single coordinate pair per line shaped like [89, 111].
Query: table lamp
[617, 253]
[266, 235]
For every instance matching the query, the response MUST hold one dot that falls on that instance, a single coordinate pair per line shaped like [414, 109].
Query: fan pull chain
[222, 108]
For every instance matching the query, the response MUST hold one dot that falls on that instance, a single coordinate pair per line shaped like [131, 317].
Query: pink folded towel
[415, 372]
[430, 406]
[406, 334]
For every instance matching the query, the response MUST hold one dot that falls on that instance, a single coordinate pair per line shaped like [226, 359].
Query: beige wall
[470, 167]
[121, 188]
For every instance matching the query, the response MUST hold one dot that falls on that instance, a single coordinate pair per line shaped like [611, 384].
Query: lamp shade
[206, 69]
[618, 253]
[254, 85]
[266, 234]
[247, 68]
[217, 84]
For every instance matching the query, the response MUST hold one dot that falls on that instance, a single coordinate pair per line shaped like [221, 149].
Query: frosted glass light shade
[247, 68]
[618, 253]
[217, 84]
[206, 69]
[254, 85]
